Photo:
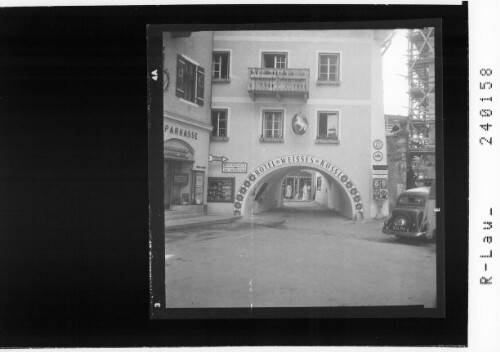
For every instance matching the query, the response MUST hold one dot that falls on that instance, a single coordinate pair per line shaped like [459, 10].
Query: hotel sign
[303, 161]
[234, 167]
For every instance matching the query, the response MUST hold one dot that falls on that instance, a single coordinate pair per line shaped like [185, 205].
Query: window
[190, 81]
[219, 123]
[220, 189]
[328, 127]
[274, 60]
[272, 126]
[329, 68]
[220, 66]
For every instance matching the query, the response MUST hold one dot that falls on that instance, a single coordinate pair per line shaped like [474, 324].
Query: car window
[411, 200]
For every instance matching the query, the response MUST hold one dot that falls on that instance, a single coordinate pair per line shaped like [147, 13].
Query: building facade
[187, 61]
[290, 101]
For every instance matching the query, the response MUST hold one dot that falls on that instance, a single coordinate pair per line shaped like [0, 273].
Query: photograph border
[158, 310]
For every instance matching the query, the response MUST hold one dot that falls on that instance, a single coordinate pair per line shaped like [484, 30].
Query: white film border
[484, 176]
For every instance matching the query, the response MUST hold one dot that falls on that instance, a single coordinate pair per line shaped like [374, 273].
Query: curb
[202, 223]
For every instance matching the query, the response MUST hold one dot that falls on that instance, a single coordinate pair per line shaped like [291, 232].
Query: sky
[395, 70]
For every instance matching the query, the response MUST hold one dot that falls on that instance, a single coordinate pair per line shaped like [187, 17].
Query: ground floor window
[328, 126]
[220, 189]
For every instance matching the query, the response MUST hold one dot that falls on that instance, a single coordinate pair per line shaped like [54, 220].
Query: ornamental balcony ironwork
[278, 82]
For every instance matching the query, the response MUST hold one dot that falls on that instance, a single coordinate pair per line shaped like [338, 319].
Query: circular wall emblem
[378, 144]
[300, 124]
[378, 156]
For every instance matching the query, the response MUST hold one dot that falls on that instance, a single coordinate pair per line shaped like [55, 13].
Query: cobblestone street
[301, 255]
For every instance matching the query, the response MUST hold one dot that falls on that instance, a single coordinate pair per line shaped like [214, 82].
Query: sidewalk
[199, 221]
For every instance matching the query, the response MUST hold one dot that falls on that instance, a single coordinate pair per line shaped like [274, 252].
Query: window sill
[271, 140]
[327, 141]
[221, 80]
[328, 83]
[219, 139]
[189, 102]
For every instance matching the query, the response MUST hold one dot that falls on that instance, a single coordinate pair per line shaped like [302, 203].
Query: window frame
[218, 137]
[277, 52]
[328, 140]
[221, 79]
[233, 187]
[339, 71]
[198, 81]
[263, 138]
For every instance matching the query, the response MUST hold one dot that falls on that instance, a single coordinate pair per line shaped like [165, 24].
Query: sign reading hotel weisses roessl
[305, 160]
[234, 167]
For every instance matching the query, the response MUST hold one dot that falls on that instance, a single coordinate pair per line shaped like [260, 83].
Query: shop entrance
[182, 185]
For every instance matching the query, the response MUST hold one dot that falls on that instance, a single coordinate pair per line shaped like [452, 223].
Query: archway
[281, 166]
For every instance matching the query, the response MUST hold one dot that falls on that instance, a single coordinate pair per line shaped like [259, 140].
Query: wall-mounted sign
[305, 161]
[217, 158]
[378, 156]
[180, 132]
[181, 179]
[379, 187]
[300, 124]
[378, 144]
[234, 167]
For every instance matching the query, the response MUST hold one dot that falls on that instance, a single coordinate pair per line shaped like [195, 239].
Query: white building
[286, 101]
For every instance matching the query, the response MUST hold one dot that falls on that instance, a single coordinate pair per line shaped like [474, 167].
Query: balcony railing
[278, 82]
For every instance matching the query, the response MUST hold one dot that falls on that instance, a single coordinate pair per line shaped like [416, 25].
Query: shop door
[198, 190]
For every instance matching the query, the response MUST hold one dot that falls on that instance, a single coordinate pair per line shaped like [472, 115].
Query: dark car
[413, 215]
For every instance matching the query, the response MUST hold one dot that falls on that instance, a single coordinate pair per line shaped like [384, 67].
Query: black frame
[83, 225]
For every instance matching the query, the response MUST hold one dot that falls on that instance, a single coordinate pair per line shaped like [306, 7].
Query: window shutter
[181, 70]
[200, 82]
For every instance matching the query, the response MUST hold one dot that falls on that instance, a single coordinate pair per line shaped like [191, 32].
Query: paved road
[301, 255]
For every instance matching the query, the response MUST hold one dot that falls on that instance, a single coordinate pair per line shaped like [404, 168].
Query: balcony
[278, 82]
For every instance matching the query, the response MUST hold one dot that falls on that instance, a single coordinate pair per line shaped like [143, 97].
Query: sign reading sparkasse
[181, 132]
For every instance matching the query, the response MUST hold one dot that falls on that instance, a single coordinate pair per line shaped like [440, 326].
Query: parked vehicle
[413, 215]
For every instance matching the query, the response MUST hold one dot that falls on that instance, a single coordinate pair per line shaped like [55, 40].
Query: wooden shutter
[181, 70]
[200, 85]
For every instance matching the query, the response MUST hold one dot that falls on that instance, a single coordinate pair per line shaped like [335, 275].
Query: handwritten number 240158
[486, 72]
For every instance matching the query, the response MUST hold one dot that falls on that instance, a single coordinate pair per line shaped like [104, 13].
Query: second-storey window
[220, 66]
[328, 126]
[274, 60]
[190, 81]
[272, 125]
[219, 123]
[328, 67]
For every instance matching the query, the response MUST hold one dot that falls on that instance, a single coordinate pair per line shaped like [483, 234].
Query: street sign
[234, 167]
[217, 158]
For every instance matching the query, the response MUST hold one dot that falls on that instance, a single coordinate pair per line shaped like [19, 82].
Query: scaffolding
[421, 107]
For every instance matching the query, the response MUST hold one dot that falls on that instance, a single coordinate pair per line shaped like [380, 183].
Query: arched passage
[274, 172]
